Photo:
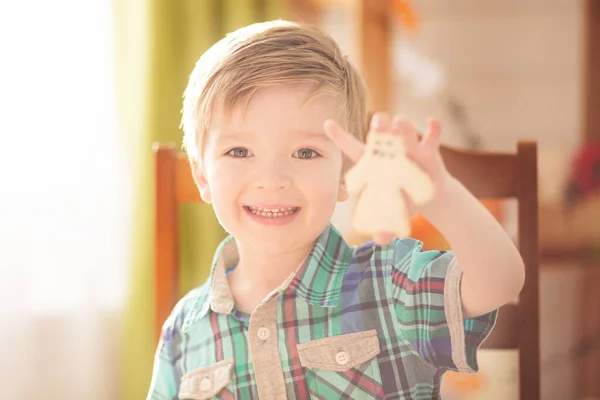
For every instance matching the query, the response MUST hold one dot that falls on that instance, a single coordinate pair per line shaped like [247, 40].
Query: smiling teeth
[272, 212]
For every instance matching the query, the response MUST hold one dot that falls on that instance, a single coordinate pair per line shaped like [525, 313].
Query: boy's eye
[306, 154]
[239, 152]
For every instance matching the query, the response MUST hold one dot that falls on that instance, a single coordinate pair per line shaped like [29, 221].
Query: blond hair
[267, 54]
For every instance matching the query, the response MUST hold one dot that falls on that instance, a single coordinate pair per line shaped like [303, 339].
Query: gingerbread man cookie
[379, 178]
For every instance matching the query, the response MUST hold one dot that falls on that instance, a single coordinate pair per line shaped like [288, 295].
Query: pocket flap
[339, 353]
[204, 383]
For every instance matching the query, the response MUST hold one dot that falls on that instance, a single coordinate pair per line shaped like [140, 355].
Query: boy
[290, 310]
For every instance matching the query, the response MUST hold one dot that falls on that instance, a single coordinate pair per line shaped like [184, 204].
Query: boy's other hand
[425, 152]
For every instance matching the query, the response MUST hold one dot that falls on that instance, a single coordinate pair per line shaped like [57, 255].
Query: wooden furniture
[574, 228]
[174, 186]
[373, 26]
[486, 175]
[589, 384]
[501, 176]
[569, 241]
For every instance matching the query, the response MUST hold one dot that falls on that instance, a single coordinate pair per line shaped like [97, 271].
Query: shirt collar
[318, 281]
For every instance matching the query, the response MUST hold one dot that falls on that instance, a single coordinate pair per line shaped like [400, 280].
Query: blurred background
[86, 87]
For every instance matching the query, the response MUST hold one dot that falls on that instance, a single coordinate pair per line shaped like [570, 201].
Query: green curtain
[158, 43]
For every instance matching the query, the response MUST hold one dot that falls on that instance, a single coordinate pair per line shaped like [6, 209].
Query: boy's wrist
[444, 202]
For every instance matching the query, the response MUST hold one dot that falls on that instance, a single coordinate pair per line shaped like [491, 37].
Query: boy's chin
[276, 247]
[270, 245]
[276, 240]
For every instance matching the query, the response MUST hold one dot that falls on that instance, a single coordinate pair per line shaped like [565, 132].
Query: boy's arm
[493, 271]
[164, 384]
[425, 287]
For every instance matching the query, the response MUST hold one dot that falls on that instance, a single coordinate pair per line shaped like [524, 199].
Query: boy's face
[272, 175]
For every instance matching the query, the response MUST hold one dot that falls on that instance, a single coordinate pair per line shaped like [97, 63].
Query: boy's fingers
[352, 147]
[432, 136]
[404, 127]
[383, 238]
[380, 122]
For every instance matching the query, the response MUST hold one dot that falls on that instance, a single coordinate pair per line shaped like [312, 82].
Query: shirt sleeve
[165, 374]
[164, 384]
[426, 291]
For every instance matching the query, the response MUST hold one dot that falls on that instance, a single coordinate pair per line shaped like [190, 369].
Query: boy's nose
[273, 178]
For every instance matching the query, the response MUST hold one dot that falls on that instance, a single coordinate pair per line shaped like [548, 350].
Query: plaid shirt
[364, 322]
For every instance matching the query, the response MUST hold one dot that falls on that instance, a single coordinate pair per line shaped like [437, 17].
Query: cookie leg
[362, 224]
[402, 225]
[403, 231]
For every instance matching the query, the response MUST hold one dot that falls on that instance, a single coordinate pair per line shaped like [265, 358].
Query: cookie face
[384, 156]
[384, 152]
[385, 146]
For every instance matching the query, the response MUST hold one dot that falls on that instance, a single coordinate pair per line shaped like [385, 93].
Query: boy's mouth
[274, 212]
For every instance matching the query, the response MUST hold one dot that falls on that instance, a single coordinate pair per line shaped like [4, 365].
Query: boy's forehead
[248, 134]
[285, 108]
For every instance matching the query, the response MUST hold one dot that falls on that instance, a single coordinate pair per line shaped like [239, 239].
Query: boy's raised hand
[424, 152]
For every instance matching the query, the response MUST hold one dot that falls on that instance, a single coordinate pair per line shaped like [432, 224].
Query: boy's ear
[201, 181]
[343, 191]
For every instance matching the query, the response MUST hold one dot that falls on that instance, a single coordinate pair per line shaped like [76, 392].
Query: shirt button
[263, 333]
[205, 384]
[342, 358]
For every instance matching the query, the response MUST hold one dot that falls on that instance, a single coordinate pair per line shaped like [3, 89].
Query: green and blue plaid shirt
[364, 322]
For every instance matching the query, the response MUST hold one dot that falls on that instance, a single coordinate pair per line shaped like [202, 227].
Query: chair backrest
[173, 185]
[505, 176]
[485, 174]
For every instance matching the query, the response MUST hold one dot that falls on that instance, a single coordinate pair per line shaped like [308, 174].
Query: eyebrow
[304, 134]
[313, 135]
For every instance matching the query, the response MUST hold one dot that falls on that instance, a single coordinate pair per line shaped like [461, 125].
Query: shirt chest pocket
[207, 382]
[343, 366]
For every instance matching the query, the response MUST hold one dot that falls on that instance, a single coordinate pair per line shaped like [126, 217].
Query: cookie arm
[416, 183]
[356, 179]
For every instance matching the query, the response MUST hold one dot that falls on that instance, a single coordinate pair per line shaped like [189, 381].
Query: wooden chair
[486, 175]
[505, 176]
